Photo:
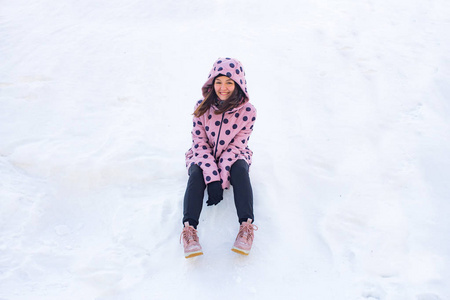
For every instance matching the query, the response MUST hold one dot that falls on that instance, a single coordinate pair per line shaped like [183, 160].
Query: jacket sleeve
[202, 151]
[237, 149]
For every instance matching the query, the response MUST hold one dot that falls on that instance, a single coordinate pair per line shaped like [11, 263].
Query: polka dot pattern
[218, 141]
[228, 67]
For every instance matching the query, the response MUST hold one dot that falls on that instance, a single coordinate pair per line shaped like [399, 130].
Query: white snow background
[351, 143]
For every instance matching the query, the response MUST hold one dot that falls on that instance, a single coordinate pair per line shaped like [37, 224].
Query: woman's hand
[215, 193]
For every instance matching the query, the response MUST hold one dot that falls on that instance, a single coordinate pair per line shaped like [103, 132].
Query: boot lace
[246, 230]
[189, 235]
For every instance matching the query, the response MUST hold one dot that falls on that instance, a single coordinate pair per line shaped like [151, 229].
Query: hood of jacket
[229, 67]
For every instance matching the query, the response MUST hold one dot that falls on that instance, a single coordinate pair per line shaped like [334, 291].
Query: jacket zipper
[218, 136]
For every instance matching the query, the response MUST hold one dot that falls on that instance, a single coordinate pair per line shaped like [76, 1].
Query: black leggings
[243, 195]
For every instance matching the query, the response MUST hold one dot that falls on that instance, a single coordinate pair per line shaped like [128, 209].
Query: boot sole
[193, 254]
[240, 251]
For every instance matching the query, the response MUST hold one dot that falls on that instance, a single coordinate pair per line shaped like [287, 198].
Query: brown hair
[235, 99]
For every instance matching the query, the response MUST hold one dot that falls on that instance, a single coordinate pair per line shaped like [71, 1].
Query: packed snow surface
[351, 149]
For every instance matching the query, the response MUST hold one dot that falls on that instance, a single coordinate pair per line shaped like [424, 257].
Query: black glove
[215, 193]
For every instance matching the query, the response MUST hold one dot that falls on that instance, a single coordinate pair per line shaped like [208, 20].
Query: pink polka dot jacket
[218, 141]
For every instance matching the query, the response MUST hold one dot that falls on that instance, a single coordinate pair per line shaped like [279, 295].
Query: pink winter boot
[244, 239]
[190, 241]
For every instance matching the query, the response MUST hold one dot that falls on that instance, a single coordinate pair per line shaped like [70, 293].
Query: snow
[351, 149]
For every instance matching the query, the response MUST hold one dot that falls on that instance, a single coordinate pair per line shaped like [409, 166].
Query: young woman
[219, 156]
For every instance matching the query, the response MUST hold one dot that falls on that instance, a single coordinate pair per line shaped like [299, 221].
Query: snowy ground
[351, 149]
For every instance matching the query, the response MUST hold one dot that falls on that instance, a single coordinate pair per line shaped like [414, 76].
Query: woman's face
[224, 87]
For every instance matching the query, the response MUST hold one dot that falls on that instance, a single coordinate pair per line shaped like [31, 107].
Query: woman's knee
[239, 170]
[239, 166]
[196, 176]
[195, 170]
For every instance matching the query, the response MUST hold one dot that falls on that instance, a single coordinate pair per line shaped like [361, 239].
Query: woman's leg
[243, 194]
[193, 197]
